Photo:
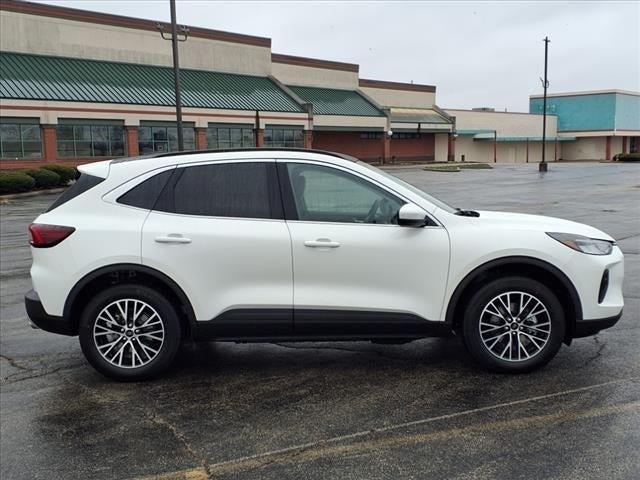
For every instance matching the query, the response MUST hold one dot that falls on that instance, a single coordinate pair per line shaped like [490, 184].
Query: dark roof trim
[314, 62]
[498, 112]
[235, 150]
[588, 93]
[122, 21]
[414, 87]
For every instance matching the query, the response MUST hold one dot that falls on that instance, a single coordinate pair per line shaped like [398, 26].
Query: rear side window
[84, 183]
[224, 190]
[145, 194]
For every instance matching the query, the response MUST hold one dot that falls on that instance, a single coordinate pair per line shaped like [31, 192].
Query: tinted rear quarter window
[145, 194]
[82, 184]
[223, 190]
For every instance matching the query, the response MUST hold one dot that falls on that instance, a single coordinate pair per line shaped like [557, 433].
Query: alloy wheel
[128, 333]
[515, 326]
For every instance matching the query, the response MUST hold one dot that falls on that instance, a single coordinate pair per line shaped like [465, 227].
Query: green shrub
[15, 182]
[66, 173]
[44, 178]
[628, 157]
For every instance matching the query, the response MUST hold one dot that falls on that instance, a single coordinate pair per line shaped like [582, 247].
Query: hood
[523, 221]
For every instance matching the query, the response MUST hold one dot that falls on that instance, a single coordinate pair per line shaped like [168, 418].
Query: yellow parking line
[324, 450]
[191, 474]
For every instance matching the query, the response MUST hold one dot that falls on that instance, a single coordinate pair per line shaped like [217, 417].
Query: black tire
[166, 350]
[512, 326]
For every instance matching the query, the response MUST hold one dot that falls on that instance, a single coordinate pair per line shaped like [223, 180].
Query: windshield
[439, 203]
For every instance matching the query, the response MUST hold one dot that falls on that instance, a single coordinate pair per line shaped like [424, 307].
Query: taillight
[45, 236]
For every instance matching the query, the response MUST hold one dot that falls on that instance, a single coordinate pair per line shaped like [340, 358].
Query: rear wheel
[129, 332]
[513, 324]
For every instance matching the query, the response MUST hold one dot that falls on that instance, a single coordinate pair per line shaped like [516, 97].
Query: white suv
[270, 245]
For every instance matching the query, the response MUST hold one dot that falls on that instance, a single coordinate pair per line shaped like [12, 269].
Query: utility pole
[176, 65]
[542, 166]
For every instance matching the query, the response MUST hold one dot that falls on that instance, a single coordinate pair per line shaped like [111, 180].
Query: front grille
[604, 285]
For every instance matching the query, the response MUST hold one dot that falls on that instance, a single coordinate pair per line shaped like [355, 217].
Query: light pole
[176, 65]
[542, 166]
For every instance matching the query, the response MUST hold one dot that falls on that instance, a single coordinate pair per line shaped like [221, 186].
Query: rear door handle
[173, 238]
[321, 243]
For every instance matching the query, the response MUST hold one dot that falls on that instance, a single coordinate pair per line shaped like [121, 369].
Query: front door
[356, 271]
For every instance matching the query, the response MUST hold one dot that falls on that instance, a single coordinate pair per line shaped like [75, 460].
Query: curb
[402, 167]
[11, 196]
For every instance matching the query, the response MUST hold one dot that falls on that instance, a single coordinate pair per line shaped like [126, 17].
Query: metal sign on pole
[176, 65]
[542, 166]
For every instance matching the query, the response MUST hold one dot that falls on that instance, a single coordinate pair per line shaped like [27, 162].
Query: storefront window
[19, 139]
[230, 137]
[283, 137]
[407, 135]
[80, 140]
[371, 135]
[164, 138]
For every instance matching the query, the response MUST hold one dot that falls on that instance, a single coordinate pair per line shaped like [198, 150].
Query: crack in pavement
[598, 353]
[158, 420]
[8, 381]
[40, 371]
[152, 417]
[14, 364]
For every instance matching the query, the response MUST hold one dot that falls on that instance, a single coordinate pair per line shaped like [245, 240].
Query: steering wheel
[371, 216]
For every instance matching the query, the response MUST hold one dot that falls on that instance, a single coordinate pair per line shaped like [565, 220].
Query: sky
[478, 54]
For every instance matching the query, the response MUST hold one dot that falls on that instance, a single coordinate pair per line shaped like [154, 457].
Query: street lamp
[542, 166]
[176, 64]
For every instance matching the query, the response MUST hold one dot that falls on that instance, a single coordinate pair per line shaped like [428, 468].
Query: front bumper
[41, 319]
[586, 272]
[586, 328]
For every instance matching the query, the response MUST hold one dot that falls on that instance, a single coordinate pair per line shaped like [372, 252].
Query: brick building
[78, 86]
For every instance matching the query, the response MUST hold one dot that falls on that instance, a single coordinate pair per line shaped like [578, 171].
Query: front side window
[20, 140]
[77, 140]
[222, 190]
[325, 194]
[439, 203]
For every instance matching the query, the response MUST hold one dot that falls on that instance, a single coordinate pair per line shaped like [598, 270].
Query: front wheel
[129, 332]
[514, 324]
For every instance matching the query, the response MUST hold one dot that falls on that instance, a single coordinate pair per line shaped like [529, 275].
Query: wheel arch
[127, 273]
[522, 266]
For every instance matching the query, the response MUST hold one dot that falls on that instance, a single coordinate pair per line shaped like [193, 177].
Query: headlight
[582, 244]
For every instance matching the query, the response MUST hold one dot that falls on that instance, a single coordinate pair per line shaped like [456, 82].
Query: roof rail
[234, 150]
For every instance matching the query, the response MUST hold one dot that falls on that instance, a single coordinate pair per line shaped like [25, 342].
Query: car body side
[471, 243]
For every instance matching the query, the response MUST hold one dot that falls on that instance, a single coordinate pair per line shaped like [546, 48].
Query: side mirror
[411, 215]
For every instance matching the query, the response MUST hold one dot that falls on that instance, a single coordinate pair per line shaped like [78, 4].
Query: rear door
[218, 231]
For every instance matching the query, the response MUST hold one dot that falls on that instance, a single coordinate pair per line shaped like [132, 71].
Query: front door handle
[173, 238]
[321, 243]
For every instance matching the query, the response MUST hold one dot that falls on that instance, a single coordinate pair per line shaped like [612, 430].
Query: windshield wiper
[466, 213]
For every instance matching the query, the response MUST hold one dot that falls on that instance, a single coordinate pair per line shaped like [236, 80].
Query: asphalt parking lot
[339, 410]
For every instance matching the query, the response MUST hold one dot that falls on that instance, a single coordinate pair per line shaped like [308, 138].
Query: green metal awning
[331, 101]
[473, 132]
[417, 115]
[38, 77]
[534, 139]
